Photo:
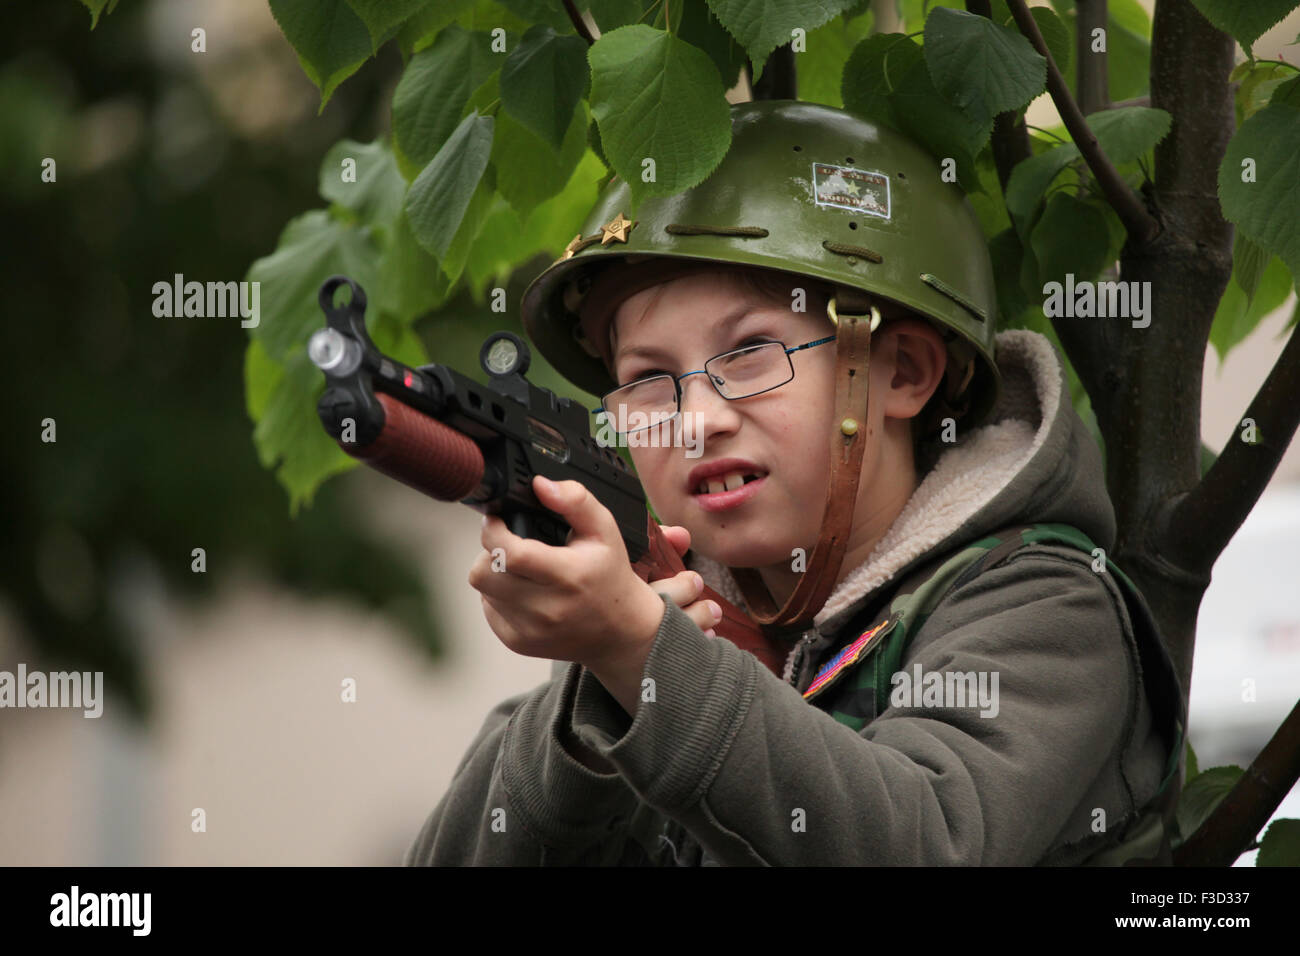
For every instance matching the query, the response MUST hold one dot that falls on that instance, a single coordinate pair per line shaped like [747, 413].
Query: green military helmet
[806, 190]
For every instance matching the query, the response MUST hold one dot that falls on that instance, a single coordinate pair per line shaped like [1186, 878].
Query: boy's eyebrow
[740, 312]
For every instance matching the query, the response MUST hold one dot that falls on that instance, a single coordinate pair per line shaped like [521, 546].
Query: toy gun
[449, 437]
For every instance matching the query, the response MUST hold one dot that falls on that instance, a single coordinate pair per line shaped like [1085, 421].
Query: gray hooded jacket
[731, 765]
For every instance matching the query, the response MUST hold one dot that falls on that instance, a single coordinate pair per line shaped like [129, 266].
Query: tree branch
[1203, 521]
[1010, 135]
[1126, 203]
[579, 24]
[1231, 829]
[1090, 68]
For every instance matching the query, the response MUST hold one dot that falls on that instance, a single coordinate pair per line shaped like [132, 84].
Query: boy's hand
[581, 602]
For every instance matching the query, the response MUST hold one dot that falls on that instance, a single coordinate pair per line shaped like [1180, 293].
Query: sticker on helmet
[847, 188]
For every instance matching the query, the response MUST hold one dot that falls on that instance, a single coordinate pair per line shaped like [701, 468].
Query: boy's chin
[733, 551]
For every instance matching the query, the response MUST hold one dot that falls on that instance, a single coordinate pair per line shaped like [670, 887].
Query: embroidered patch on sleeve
[849, 656]
[848, 188]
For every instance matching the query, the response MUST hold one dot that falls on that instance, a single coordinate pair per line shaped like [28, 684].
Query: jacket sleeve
[759, 776]
[518, 797]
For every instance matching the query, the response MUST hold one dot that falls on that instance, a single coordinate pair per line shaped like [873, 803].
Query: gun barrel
[423, 453]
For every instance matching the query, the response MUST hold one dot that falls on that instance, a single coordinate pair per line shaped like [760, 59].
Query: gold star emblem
[572, 247]
[616, 228]
[851, 187]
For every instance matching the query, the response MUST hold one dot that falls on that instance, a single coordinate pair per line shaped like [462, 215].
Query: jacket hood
[1033, 461]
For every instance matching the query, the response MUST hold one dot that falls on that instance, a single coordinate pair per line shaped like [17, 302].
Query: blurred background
[225, 686]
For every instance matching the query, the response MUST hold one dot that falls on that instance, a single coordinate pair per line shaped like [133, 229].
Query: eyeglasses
[741, 373]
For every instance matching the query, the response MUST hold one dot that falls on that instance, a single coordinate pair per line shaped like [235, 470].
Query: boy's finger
[578, 506]
[682, 588]
[678, 537]
[705, 614]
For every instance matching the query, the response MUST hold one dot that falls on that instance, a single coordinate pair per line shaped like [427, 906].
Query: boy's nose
[715, 414]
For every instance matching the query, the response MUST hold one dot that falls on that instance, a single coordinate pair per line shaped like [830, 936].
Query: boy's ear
[916, 360]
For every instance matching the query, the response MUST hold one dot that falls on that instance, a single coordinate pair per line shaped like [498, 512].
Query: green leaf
[546, 12]
[261, 375]
[396, 339]
[820, 69]
[1248, 262]
[1201, 795]
[696, 25]
[1267, 209]
[980, 67]
[289, 431]
[1072, 237]
[383, 17]
[658, 98]
[1128, 62]
[96, 7]
[431, 95]
[612, 14]
[1057, 37]
[453, 262]
[1123, 134]
[930, 119]
[505, 242]
[1281, 844]
[1258, 80]
[365, 179]
[763, 25]
[419, 32]
[331, 41]
[1235, 318]
[1129, 132]
[542, 81]
[313, 247]
[1245, 22]
[914, 12]
[990, 208]
[1005, 250]
[530, 170]
[1191, 770]
[1130, 15]
[410, 280]
[437, 200]
[865, 88]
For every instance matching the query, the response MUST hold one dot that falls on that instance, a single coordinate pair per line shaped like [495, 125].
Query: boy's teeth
[720, 483]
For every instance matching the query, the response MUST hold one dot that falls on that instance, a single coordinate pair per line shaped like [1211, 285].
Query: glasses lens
[641, 405]
[753, 369]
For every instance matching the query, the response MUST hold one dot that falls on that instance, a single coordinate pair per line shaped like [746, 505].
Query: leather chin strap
[852, 362]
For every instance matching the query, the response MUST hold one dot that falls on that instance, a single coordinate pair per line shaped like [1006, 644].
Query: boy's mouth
[728, 482]
[725, 483]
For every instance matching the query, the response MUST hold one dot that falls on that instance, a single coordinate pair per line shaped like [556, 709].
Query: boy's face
[783, 434]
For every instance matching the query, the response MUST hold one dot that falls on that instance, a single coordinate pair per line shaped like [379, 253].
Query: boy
[958, 690]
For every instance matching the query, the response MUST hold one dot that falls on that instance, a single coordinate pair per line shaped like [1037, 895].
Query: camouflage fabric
[858, 692]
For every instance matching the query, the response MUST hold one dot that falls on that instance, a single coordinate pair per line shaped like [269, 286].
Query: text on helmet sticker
[844, 187]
